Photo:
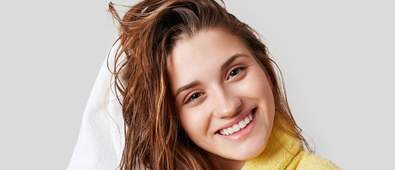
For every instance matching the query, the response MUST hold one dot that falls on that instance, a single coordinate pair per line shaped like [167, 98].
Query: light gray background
[336, 56]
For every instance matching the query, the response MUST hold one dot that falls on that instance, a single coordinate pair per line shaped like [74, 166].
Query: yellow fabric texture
[285, 152]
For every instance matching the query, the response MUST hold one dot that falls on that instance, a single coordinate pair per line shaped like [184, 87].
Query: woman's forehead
[207, 46]
[202, 55]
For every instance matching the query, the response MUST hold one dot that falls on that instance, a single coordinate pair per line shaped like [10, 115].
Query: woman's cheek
[195, 123]
[251, 84]
[257, 83]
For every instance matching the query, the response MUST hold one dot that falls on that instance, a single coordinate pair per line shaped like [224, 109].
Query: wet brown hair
[148, 31]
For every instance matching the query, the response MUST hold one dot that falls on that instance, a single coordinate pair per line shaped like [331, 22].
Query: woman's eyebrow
[194, 83]
[231, 59]
[223, 67]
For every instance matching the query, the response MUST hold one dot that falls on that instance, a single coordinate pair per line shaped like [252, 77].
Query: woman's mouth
[241, 128]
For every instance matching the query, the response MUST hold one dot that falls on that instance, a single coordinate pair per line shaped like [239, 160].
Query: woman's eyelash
[239, 68]
[189, 99]
[196, 95]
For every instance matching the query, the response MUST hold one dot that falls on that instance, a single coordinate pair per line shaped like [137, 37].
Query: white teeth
[236, 127]
[242, 123]
[227, 131]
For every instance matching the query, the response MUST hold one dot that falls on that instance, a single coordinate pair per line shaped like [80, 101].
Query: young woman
[199, 91]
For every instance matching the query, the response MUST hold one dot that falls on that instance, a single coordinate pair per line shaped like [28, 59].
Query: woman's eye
[235, 72]
[193, 97]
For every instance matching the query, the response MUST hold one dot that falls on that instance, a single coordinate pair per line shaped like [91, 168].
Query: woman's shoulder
[313, 161]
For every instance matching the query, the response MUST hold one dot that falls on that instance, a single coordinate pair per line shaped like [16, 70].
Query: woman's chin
[248, 154]
[244, 152]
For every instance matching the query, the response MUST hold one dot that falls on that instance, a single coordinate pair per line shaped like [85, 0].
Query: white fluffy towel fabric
[101, 137]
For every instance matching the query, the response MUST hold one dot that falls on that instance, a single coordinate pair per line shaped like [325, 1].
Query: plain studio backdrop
[336, 56]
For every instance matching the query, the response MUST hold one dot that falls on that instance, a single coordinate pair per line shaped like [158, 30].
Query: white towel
[101, 137]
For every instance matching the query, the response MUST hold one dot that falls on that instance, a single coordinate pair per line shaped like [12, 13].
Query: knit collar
[279, 152]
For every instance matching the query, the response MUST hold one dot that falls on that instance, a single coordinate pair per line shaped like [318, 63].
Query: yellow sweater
[285, 152]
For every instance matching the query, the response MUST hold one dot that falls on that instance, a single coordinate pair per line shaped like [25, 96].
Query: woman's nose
[227, 105]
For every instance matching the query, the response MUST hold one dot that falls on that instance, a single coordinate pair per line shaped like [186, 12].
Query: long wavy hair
[148, 31]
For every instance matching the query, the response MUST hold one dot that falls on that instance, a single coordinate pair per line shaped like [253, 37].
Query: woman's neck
[224, 163]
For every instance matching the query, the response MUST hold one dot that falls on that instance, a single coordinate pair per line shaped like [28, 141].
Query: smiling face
[223, 97]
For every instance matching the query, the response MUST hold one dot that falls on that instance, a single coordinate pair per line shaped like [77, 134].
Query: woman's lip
[243, 133]
[244, 115]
